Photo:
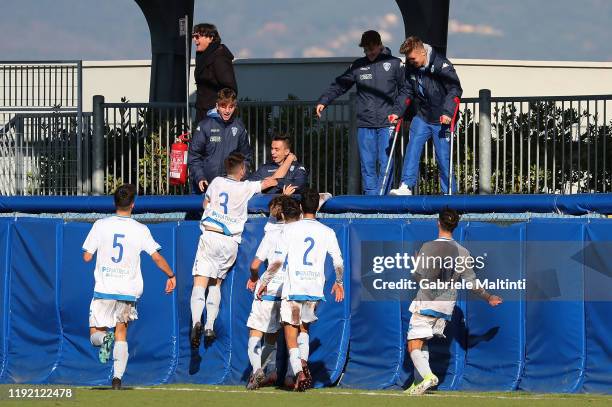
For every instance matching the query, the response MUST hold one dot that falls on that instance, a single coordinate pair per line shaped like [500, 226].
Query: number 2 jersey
[306, 244]
[227, 207]
[118, 241]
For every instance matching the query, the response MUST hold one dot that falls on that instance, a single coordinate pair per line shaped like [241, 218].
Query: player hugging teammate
[299, 256]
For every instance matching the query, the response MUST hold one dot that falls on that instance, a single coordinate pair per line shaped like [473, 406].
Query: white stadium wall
[306, 78]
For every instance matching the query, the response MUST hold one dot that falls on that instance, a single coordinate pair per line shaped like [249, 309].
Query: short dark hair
[310, 200]
[290, 208]
[284, 138]
[370, 38]
[226, 96]
[124, 196]
[207, 30]
[233, 161]
[449, 219]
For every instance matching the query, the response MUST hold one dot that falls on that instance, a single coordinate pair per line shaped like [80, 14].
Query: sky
[564, 30]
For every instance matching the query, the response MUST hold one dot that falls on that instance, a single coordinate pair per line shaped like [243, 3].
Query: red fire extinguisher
[178, 160]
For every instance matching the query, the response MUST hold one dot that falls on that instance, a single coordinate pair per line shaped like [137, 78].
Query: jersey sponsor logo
[234, 131]
[387, 66]
[364, 68]
[365, 76]
[215, 139]
[306, 275]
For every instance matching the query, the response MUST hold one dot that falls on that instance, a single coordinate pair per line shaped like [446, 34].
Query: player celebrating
[306, 244]
[432, 308]
[264, 317]
[118, 240]
[225, 213]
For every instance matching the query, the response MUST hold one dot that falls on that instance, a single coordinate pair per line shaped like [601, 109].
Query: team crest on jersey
[387, 66]
[234, 131]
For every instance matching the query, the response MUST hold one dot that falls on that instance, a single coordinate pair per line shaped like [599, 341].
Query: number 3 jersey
[118, 242]
[227, 207]
[306, 244]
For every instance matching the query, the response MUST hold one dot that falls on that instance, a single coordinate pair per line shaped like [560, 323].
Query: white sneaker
[402, 190]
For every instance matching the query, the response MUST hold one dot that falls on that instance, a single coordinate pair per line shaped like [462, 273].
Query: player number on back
[310, 242]
[224, 198]
[118, 244]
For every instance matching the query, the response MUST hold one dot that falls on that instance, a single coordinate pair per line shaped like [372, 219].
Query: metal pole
[354, 173]
[187, 68]
[97, 146]
[79, 131]
[484, 142]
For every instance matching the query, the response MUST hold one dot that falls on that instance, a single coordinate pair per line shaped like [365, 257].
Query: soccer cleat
[402, 190]
[209, 336]
[195, 335]
[107, 347]
[301, 382]
[410, 390]
[307, 373]
[116, 383]
[256, 380]
[289, 382]
[429, 381]
[270, 379]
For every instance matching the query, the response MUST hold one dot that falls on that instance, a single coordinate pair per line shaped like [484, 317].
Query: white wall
[306, 78]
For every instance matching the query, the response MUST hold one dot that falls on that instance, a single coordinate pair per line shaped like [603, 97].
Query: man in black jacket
[284, 167]
[435, 89]
[213, 69]
[218, 135]
[381, 90]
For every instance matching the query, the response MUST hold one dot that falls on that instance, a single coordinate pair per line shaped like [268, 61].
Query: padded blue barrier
[553, 337]
[578, 204]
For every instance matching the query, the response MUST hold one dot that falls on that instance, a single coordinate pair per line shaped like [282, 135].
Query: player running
[118, 241]
[264, 317]
[306, 244]
[432, 308]
[225, 213]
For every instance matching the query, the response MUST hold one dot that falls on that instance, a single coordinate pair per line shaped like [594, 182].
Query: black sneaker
[195, 335]
[116, 383]
[209, 336]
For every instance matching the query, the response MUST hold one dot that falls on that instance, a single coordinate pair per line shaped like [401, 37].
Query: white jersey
[227, 207]
[306, 243]
[268, 251]
[118, 241]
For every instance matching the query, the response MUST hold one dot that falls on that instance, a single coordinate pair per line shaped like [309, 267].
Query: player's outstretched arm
[268, 182]
[165, 267]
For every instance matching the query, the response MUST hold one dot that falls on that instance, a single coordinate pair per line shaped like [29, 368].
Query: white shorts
[265, 316]
[425, 327]
[298, 312]
[107, 313]
[215, 256]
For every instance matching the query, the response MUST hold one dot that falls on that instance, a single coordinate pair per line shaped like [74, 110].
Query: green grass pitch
[199, 395]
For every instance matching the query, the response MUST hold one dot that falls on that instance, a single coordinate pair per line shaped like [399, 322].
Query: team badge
[387, 66]
[234, 131]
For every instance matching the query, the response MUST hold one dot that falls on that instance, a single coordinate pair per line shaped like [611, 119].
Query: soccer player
[265, 311]
[118, 241]
[306, 244]
[225, 213]
[432, 308]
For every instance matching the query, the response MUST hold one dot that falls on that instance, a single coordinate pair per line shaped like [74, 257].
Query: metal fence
[43, 150]
[138, 138]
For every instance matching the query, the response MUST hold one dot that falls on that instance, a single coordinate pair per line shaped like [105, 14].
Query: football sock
[97, 338]
[294, 360]
[421, 364]
[425, 352]
[120, 356]
[268, 356]
[304, 345]
[212, 306]
[198, 299]
[254, 352]
[290, 372]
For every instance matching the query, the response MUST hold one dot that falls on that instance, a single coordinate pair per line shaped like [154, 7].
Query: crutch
[384, 182]
[452, 143]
